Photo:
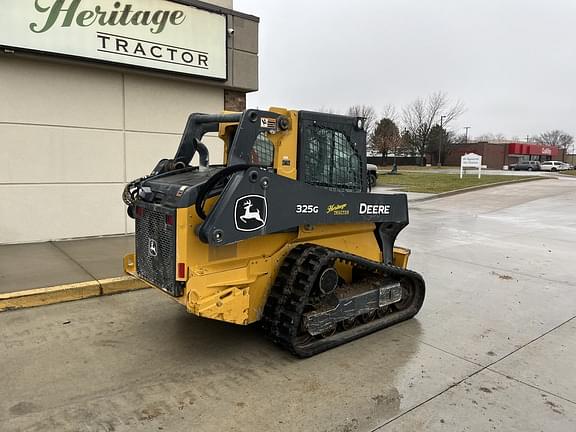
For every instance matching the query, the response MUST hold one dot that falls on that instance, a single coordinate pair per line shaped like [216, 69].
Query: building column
[234, 100]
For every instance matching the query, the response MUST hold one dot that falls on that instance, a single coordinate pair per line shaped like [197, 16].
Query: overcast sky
[511, 62]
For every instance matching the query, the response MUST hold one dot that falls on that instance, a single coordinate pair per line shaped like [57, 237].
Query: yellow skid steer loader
[285, 232]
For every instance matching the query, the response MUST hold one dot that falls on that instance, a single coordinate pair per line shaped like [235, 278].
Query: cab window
[262, 151]
[330, 159]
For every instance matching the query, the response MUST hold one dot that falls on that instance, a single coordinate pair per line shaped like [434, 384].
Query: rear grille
[156, 248]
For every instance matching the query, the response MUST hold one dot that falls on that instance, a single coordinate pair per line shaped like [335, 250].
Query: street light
[441, 139]
[467, 127]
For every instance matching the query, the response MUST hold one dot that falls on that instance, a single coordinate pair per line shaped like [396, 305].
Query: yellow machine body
[232, 282]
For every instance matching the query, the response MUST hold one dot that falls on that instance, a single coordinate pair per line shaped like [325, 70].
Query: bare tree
[368, 113]
[390, 112]
[442, 142]
[491, 137]
[422, 114]
[556, 138]
[398, 145]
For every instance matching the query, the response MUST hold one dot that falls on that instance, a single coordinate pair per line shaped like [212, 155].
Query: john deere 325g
[285, 232]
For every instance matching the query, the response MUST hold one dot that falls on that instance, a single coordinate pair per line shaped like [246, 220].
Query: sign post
[471, 160]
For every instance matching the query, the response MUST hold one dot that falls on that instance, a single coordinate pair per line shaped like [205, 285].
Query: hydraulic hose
[213, 181]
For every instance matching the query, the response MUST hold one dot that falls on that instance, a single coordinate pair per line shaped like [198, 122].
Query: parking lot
[493, 348]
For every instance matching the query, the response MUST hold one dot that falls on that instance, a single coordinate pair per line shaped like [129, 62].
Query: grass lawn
[437, 183]
[569, 172]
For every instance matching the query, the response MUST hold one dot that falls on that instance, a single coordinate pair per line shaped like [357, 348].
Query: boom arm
[258, 202]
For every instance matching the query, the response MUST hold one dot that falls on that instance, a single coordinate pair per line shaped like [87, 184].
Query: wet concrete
[40, 265]
[490, 402]
[492, 349]
[37, 265]
[99, 256]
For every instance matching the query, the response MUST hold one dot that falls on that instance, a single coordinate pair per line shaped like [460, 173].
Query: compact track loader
[284, 233]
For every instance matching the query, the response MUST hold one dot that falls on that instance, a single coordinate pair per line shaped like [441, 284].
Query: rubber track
[292, 292]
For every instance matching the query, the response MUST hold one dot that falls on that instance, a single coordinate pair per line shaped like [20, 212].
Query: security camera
[230, 31]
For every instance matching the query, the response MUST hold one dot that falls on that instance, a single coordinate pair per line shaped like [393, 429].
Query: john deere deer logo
[250, 212]
[152, 247]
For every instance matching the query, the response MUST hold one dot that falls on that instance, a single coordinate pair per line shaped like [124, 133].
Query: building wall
[72, 134]
[493, 155]
[457, 151]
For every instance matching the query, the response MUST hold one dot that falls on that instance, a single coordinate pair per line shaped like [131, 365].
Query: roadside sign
[471, 160]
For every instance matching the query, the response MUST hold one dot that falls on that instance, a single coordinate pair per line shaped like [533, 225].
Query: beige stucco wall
[72, 135]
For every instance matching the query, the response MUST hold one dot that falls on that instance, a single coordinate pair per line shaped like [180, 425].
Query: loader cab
[324, 150]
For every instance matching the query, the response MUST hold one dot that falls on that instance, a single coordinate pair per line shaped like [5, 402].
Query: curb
[480, 187]
[69, 292]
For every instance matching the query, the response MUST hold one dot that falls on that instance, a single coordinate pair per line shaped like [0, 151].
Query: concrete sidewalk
[42, 273]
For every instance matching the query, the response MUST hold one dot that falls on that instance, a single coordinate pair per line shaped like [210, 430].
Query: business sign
[532, 149]
[153, 34]
[470, 160]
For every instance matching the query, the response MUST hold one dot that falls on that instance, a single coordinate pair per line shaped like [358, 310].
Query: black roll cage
[250, 124]
[197, 126]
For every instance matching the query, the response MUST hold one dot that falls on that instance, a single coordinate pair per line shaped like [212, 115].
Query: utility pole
[467, 127]
[441, 139]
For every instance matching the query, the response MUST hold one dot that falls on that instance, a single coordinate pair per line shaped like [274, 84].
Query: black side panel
[258, 202]
[156, 247]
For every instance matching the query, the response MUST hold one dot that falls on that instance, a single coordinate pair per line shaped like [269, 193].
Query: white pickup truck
[372, 171]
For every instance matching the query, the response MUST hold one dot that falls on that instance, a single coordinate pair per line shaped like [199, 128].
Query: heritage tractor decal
[338, 209]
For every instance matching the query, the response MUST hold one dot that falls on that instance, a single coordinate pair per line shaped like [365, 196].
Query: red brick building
[496, 155]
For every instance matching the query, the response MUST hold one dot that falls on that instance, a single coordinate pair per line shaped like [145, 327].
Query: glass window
[262, 151]
[330, 159]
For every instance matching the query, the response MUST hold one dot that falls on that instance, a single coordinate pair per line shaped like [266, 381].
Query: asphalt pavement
[493, 348]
